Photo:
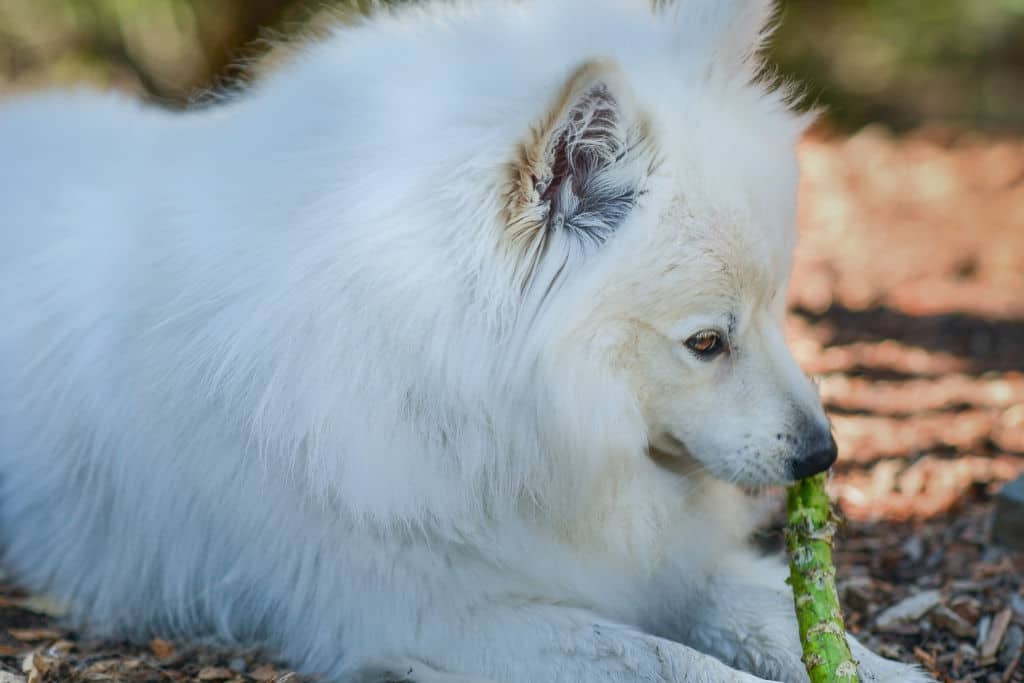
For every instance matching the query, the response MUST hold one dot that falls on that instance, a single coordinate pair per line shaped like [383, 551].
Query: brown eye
[706, 344]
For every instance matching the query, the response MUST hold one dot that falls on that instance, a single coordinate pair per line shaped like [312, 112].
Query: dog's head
[652, 218]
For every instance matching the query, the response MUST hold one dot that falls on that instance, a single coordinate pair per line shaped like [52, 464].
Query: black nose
[818, 456]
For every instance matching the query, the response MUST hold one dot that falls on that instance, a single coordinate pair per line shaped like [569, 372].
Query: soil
[908, 303]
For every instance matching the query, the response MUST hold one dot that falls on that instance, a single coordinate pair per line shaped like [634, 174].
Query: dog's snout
[817, 455]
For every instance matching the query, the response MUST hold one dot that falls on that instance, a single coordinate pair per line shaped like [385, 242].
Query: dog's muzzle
[815, 454]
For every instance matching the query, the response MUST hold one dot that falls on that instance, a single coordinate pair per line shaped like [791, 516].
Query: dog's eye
[706, 344]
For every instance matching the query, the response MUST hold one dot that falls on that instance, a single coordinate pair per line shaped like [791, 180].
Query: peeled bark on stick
[812, 576]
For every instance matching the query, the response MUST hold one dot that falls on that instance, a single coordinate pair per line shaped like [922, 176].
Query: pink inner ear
[559, 169]
[588, 141]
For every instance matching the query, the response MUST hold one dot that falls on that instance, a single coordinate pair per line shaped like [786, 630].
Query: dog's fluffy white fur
[393, 363]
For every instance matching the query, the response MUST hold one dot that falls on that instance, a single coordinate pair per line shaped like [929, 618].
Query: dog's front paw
[894, 672]
[874, 669]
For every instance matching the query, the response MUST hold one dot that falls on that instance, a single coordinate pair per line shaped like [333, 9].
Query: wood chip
[35, 604]
[263, 673]
[1013, 644]
[216, 673]
[1011, 668]
[161, 649]
[945, 618]
[909, 609]
[985, 570]
[925, 658]
[857, 592]
[31, 635]
[37, 667]
[995, 635]
[107, 667]
[967, 607]
[983, 627]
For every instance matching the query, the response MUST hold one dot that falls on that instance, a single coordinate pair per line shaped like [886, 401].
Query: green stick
[812, 576]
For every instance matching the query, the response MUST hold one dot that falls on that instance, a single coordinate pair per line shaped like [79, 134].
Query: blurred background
[908, 289]
[896, 62]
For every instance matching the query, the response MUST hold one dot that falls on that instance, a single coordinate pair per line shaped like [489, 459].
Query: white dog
[436, 356]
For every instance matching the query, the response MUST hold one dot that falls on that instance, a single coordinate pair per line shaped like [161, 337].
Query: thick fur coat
[436, 355]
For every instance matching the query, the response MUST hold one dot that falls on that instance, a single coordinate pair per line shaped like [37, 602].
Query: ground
[908, 302]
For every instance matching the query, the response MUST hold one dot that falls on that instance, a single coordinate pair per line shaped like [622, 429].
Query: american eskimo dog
[438, 355]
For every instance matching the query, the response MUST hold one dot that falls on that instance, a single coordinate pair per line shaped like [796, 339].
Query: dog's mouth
[672, 454]
[686, 466]
[682, 466]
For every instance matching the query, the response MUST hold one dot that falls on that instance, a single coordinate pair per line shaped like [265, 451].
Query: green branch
[812, 576]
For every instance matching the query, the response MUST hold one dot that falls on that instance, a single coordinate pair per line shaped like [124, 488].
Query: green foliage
[905, 62]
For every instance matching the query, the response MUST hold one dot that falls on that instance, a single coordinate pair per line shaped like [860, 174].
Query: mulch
[908, 302]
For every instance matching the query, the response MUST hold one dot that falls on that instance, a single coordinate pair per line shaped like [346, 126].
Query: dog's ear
[582, 168]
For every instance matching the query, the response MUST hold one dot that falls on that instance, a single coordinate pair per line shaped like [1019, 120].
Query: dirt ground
[908, 302]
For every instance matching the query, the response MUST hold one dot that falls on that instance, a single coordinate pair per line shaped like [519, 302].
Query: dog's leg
[538, 643]
[744, 615]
